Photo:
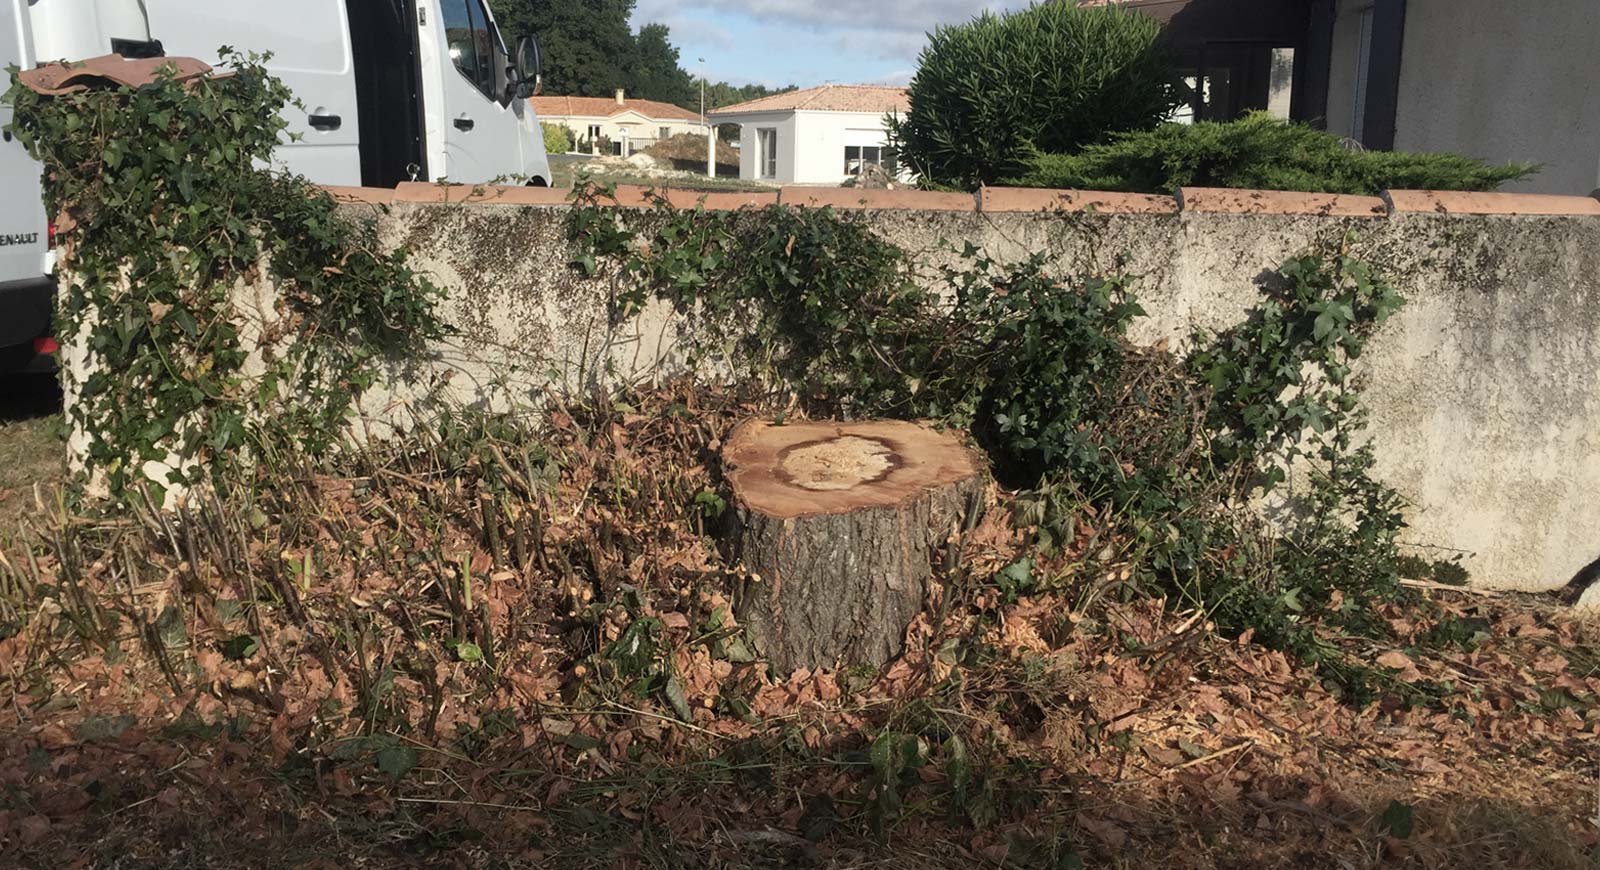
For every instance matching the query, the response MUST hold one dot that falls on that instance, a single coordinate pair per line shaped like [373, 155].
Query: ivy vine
[171, 222]
[1166, 449]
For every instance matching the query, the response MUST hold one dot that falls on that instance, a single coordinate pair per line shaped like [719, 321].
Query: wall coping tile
[1014, 199]
[1469, 202]
[720, 200]
[899, 199]
[374, 195]
[1223, 200]
[494, 194]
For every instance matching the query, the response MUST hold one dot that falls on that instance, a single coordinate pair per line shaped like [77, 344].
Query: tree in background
[587, 45]
[656, 74]
[590, 51]
[723, 94]
[989, 94]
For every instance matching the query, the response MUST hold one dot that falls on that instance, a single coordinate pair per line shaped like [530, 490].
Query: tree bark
[838, 525]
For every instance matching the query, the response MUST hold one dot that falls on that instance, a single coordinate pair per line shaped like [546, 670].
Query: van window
[466, 28]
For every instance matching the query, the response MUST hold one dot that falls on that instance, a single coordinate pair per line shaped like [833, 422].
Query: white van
[25, 285]
[392, 90]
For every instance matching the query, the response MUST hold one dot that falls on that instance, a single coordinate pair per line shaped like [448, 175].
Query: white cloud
[912, 16]
[898, 78]
[691, 28]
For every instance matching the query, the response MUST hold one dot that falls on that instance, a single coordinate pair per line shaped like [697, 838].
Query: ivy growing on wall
[1165, 450]
[181, 252]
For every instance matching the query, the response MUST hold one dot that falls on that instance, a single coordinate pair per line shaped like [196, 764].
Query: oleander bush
[1050, 78]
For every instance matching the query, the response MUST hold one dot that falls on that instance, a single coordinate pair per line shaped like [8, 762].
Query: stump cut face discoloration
[841, 522]
[838, 462]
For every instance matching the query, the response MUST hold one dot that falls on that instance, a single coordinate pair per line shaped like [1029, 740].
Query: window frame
[861, 159]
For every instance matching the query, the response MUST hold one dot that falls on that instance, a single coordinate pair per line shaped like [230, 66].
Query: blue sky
[780, 42]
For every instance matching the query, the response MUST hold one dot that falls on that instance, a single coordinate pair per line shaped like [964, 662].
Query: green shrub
[1260, 152]
[557, 139]
[1053, 77]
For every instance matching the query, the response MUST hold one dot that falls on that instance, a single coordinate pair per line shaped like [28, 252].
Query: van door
[479, 123]
[310, 45]
[24, 241]
[25, 288]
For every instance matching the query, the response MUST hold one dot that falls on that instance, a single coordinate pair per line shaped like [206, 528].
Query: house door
[767, 152]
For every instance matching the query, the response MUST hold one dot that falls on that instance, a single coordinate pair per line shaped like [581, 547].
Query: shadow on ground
[30, 448]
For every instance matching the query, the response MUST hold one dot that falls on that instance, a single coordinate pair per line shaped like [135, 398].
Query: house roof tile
[877, 99]
[606, 107]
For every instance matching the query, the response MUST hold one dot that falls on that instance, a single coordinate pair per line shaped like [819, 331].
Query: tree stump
[839, 524]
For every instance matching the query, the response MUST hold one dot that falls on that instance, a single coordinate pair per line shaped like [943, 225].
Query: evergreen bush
[1256, 152]
[1053, 77]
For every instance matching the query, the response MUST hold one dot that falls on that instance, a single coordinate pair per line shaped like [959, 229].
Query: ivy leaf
[680, 704]
[397, 761]
[1399, 819]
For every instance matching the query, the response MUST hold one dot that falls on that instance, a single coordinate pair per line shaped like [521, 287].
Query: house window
[466, 30]
[767, 151]
[859, 157]
[664, 133]
[594, 132]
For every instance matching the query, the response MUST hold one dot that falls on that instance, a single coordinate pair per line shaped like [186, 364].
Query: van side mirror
[529, 79]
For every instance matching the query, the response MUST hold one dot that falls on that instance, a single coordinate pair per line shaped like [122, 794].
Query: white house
[617, 125]
[821, 135]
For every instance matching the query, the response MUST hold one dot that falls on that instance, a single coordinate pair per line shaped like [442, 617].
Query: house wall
[1342, 68]
[810, 144]
[821, 140]
[642, 131]
[1489, 79]
[750, 143]
[1505, 81]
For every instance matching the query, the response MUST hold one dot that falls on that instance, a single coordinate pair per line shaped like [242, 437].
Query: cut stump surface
[839, 524]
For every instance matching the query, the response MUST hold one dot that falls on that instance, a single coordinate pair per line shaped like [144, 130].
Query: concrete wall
[1489, 79]
[1484, 390]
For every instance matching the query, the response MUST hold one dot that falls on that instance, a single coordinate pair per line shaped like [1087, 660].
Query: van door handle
[324, 122]
[463, 123]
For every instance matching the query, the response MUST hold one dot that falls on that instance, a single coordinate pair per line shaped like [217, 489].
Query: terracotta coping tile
[642, 196]
[855, 197]
[418, 191]
[1468, 202]
[375, 195]
[1221, 200]
[721, 200]
[1012, 199]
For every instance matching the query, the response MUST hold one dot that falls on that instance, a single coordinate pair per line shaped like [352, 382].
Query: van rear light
[50, 238]
[46, 344]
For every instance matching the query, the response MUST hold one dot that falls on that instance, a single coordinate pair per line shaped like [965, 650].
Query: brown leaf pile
[365, 675]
